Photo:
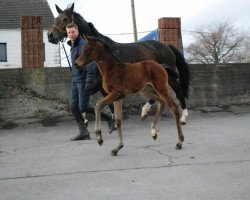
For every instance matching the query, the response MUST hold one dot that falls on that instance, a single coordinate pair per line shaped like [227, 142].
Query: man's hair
[71, 25]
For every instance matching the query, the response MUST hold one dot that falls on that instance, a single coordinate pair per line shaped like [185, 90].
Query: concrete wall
[223, 84]
[45, 91]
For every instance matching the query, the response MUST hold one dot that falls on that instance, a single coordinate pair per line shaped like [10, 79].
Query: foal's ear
[58, 9]
[85, 37]
[88, 38]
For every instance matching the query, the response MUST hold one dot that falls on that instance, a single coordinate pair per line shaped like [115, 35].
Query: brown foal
[122, 79]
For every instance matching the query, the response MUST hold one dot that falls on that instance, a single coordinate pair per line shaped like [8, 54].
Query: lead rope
[62, 42]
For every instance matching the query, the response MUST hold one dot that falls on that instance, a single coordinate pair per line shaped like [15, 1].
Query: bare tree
[218, 43]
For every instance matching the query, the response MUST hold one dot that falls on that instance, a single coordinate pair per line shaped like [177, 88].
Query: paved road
[40, 163]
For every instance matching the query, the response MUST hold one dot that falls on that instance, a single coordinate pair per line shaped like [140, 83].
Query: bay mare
[122, 79]
[167, 55]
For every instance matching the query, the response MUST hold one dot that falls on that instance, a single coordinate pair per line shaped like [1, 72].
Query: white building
[10, 32]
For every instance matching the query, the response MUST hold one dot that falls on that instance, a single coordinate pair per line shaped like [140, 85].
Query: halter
[61, 32]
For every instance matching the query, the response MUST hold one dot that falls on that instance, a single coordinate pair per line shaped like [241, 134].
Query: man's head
[72, 31]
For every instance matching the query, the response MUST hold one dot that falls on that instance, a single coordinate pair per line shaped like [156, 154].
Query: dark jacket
[89, 72]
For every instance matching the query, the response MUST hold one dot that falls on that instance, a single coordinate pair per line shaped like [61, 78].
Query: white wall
[13, 40]
[52, 53]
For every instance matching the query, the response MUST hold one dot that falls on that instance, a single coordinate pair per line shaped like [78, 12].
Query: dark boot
[83, 131]
[109, 119]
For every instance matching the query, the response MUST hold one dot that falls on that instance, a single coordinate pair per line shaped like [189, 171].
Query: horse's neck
[82, 25]
[84, 28]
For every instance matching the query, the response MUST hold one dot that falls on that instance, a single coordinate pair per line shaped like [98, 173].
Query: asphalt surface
[37, 161]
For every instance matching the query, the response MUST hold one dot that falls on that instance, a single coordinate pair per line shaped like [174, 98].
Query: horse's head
[57, 31]
[91, 51]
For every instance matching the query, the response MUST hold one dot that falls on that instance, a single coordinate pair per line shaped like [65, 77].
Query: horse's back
[146, 50]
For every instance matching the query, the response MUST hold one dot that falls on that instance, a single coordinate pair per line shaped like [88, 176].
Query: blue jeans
[79, 97]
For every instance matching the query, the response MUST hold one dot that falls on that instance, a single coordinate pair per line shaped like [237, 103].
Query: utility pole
[134, 20]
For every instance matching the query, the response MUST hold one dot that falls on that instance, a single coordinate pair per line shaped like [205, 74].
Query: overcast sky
[114, 16]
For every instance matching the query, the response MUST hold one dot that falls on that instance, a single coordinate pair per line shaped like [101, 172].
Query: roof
[151, 36]
[12, 10]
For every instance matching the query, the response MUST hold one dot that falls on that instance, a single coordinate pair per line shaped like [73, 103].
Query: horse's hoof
[178, 146]
[100, 142]
[154, 137]
[113, 153]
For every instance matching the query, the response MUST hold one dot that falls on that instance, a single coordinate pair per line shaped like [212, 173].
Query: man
[82, 86]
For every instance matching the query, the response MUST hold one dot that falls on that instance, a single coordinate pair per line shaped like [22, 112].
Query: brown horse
[123, 79]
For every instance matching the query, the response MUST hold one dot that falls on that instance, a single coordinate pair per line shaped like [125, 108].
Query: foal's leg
[174, 109]
[110, 98]
[154, 131]
[104, 94]
[149, 92]
[118, 120]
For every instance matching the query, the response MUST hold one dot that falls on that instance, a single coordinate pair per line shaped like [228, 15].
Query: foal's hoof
[154, 137]
[183, 123]
[100, 142]
[144, 117]
[178, 146]
[113, 153]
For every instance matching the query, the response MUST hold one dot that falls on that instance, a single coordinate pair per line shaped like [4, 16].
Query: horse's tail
[183, 70]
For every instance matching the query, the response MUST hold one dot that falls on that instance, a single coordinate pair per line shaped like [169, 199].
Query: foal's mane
[107, 48]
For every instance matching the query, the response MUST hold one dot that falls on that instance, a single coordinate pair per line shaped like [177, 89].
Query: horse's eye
[65, 19]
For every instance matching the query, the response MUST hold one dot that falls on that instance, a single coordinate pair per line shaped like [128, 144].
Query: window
[3, 52]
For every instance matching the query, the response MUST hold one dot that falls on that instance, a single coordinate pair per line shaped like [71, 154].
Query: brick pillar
[32, 41]
[170, 31]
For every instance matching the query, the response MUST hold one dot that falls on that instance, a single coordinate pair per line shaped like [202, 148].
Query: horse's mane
[92, 31]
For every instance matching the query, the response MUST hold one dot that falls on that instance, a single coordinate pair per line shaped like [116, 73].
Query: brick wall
[41, 91]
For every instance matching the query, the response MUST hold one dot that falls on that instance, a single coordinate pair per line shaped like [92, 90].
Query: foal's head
[93, 50]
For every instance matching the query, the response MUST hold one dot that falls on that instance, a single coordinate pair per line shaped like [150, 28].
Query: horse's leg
[147, 106]
[146, 109]
[110, 98]
[118, 120]
[179, 95]
[174, 110]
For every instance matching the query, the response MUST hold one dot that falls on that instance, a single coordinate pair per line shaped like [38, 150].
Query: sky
[113, 18]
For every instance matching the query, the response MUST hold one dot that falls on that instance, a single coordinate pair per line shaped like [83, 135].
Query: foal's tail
[183, 70]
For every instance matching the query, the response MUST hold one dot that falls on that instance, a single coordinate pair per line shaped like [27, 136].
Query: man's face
[72, 33]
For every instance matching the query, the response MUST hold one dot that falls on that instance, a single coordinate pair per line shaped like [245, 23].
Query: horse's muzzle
[52, 39]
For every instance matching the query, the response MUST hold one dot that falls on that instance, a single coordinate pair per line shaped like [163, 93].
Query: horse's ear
[72, 7]
[58, 9]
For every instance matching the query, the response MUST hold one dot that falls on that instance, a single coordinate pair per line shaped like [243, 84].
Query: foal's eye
[85, 51]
